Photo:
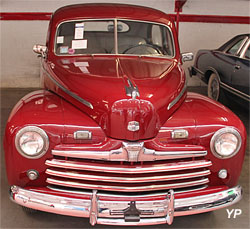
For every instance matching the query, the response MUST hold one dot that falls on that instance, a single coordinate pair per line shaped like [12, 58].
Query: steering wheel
[143, 49]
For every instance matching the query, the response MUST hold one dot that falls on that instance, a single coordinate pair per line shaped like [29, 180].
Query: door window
[235, 48]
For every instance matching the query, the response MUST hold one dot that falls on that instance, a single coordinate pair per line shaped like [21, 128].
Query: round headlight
[32, 142]
[226, 142]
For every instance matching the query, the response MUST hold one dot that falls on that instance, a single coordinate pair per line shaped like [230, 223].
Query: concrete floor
[12, 215]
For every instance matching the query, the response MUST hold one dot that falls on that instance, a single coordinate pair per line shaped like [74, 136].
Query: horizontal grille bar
[120, 179]
[162, 167]
[123, 154]
[130, 197]
[109, 187]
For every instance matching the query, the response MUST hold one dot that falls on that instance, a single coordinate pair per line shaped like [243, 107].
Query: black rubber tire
[214, 91]
[29, 210]
[213, 87]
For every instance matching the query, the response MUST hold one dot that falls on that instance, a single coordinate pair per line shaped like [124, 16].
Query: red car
[114, 135]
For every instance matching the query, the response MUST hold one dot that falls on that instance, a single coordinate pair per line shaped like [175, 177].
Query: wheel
[213, 88]
[214, 91]
[29, 210]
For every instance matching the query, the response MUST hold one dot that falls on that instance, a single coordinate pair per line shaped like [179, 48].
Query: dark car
[226, 69]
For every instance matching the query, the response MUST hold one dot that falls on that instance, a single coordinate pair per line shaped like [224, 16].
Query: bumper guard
[125, 210]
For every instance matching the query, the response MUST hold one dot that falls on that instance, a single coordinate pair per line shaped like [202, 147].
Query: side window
[234, 49]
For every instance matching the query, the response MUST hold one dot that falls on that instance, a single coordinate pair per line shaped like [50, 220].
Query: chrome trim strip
[101, 155]
[244, 49]
[241, 46]
[159, 193]
[80, 207]
[81, 176]
[163, 167]
[198, 70]
[154, 187]
[235, 92]
[171, 104]
[81, 100]
[122, 154]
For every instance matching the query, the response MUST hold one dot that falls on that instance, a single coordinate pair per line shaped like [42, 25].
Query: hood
[127, 96]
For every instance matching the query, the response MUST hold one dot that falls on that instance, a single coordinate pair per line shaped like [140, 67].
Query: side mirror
[188, 56]
[40, 49]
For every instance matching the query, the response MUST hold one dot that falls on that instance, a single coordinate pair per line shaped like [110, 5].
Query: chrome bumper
[125, 210]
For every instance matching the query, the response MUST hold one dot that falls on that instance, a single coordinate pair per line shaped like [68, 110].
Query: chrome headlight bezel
[220, 133]
[37, 130]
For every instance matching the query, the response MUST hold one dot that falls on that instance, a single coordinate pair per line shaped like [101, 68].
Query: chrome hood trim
[132, 90]
[81, 100]
[171, 104]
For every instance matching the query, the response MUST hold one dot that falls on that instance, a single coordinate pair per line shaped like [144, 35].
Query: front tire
[29, 210]
[214, 91]
[213, 88]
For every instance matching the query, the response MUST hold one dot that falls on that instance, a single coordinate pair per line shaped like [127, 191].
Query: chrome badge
[133, 150]
[133, 126]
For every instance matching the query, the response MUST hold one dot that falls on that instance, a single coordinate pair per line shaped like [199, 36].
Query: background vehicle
[114, 135]
[226, 69]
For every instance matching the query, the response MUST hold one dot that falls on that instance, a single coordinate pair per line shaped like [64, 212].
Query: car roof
[108, 10]
[237, 37]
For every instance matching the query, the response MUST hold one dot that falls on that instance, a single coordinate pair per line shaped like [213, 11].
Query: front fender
[57, 118]
[202, 117]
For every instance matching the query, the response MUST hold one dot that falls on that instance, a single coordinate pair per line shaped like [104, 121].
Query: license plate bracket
[132, 214]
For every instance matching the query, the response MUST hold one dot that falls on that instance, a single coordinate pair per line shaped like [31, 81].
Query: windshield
[113, 37]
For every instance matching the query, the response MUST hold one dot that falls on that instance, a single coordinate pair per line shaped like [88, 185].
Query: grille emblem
[133, 150]
[133, 126]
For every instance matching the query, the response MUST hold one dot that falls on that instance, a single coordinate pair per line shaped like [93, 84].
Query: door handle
[237, 66]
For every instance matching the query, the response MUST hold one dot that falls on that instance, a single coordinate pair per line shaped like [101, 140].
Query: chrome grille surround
[130, 168]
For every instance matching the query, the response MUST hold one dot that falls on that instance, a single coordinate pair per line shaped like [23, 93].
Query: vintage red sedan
[114, 135]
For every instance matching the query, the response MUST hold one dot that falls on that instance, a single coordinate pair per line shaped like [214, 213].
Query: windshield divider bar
[116, 36]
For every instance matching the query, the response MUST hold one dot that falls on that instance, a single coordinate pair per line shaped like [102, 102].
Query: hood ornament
[132, 90]
[133, 126]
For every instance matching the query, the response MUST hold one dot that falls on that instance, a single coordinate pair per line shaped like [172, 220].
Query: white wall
[20, 67]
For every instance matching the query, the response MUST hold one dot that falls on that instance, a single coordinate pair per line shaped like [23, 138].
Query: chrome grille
[174, 172]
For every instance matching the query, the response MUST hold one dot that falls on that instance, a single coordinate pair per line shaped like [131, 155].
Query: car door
[225, 60]
[240, 74]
